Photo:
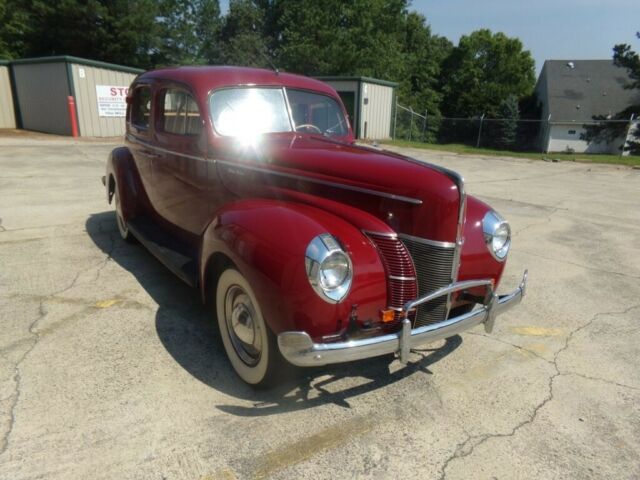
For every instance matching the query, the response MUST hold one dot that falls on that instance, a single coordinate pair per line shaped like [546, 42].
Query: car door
[181, 171]
[139, 137]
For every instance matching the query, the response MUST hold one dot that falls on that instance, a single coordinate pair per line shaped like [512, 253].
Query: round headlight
[497, 235]
[334, 270]
[328, 268]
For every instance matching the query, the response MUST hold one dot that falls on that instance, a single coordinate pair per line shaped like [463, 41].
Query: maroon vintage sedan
[247, 184]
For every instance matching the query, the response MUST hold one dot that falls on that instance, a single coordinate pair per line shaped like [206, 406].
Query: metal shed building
[369, 103]
[43, 87]
[7, 114]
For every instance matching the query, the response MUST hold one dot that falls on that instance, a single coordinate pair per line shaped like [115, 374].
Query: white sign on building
[112, 100]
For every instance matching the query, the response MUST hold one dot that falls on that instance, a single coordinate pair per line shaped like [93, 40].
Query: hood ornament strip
[400, 198]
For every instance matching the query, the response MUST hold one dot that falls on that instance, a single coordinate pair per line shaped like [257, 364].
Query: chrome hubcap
[243, 329]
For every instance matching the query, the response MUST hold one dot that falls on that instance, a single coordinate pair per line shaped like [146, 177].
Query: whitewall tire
[249, 343]
[123, 229]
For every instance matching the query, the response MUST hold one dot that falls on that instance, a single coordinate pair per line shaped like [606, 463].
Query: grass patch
[566, 157]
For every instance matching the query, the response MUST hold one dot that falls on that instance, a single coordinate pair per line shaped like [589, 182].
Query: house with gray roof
[571, 93]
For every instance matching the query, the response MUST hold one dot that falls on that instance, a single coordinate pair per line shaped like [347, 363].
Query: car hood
[411, 196]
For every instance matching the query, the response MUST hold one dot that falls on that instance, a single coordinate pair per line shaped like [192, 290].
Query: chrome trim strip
[457, 254]
[327, 183]
[299, 349]
[401, 198]
[131, 138]
[394, 277]
[454, 287]
[426, 241]
[390, 235]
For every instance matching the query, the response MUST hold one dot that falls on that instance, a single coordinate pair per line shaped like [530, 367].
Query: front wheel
[248, 341]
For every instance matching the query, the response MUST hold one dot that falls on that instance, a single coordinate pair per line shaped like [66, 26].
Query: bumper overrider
[299, 349]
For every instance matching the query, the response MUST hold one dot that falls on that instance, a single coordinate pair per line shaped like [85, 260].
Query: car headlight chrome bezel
[329, 268]
[497, 235]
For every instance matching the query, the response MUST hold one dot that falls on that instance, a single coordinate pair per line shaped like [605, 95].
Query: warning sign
[112, 100]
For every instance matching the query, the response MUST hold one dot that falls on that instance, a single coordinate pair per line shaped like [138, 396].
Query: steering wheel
[308, 126]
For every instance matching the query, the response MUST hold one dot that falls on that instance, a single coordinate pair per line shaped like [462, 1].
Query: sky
[550, 29]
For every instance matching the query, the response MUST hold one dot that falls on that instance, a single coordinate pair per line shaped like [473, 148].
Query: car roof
[203, 79]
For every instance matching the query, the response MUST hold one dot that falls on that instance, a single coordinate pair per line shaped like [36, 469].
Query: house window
[572, 132]
[180, 113]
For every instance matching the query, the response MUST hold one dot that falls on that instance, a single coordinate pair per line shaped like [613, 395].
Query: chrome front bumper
[298, 347]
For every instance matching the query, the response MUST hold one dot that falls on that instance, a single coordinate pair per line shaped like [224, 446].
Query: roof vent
[571, 65]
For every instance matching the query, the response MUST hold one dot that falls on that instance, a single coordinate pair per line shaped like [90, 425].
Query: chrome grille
[433, 266]
[401, 274]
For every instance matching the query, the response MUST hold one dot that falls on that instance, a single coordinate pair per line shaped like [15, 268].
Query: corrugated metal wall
[377, 112]
[91, 124]
[7, 116]
[41, 92]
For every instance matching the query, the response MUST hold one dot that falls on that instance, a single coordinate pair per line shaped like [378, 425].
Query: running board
[173, 253]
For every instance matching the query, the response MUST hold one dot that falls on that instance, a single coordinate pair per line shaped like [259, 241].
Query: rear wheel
[248, 341]
[122, 225]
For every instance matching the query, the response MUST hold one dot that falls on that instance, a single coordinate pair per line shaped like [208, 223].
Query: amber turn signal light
[387, 316]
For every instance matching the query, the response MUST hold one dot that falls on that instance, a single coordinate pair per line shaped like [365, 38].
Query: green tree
[482, 71]
[120, 31]
[14, 28]
[502, 133]
[422, 57]
[188, 31]
[241, 38]
[334, 37]
[607, 132]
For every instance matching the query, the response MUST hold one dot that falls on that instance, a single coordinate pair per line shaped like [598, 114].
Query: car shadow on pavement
[188, 331]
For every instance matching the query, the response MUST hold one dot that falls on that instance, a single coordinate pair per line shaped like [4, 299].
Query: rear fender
[267, 240]
[123, 175]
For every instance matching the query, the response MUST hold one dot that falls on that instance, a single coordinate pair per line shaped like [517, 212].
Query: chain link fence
[517, 135]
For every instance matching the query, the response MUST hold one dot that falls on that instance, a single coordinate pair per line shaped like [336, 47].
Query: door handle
[150, 154]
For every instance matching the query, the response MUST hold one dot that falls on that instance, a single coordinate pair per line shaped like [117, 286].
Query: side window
[180, 114]
[141, 107]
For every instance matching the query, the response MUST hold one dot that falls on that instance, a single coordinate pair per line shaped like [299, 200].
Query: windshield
[249, 112]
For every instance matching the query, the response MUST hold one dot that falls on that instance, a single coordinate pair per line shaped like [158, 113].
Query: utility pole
[480, 131]
[395, 120]
[411, 123]
[424, 126]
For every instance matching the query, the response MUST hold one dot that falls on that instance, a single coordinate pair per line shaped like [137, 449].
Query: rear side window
[141, 107]
[180, 114]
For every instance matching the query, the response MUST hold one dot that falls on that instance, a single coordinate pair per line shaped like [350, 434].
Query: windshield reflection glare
[247, 113]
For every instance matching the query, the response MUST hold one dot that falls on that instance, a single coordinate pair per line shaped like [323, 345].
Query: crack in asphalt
[531, 225]
[518, 347]
[36, 227]
[594, 269]
[468, 446]
[42, 313]
[554, 209]
[600, 379]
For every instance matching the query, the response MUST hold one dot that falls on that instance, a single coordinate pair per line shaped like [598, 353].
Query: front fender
[267, 241]
[476, 262]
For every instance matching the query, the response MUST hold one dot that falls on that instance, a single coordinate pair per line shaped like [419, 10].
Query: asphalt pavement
[111, 369]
